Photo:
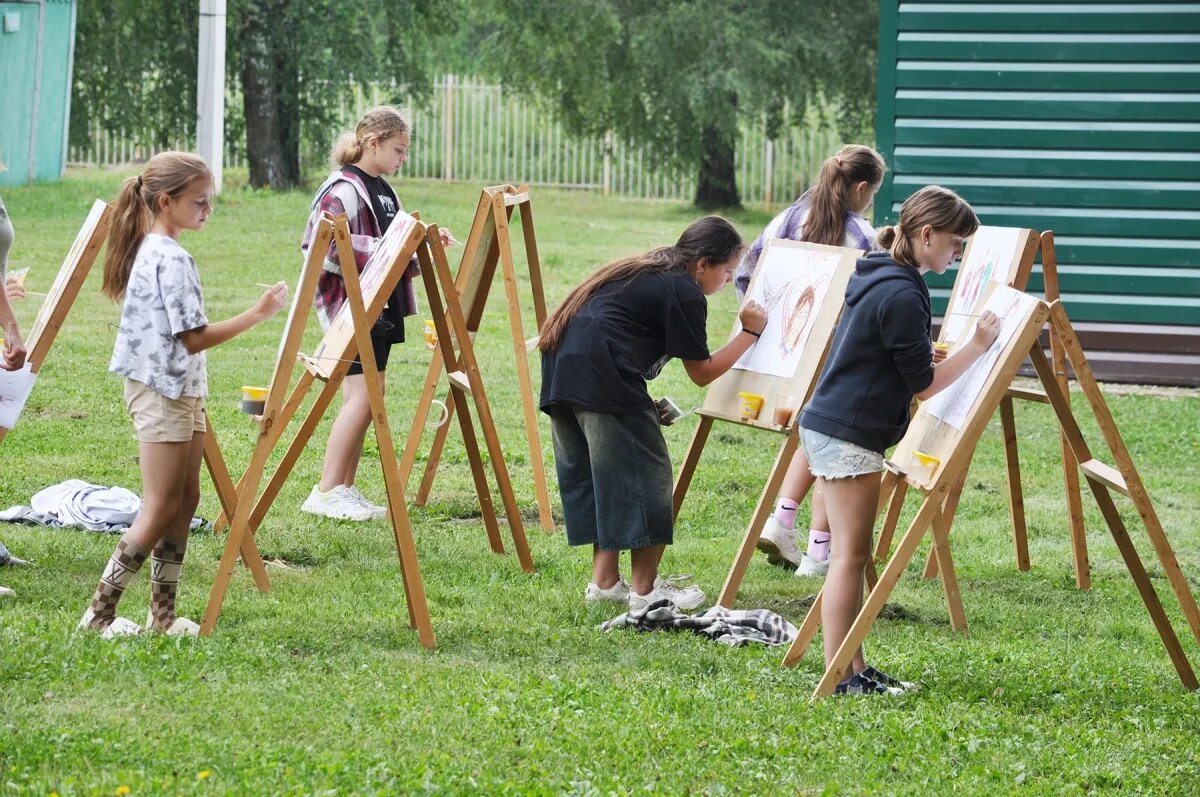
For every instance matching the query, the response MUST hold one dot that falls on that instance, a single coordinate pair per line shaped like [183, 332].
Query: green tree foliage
[136, 64]
[135, 69]
[677, 75]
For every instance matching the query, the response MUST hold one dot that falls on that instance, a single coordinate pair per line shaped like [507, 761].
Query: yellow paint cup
[941, 346]
[923, 465]
[254, 400]
[750, 405]
[430, 335]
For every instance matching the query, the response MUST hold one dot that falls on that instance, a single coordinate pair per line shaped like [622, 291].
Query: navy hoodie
[881, 357]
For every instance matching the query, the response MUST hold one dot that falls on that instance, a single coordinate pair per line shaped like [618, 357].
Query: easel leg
[742, 561]
[878, 597]
[690, 460]
[435, 452]
[227, 495]
[941, 547]
[931, 566]
[1133, 480]
[1133, 562]
[294, 450]
[805, 633]
[420, 416]
[478, 473]
[525, 386]
[281, 422]
[893, 490]
[1016, 502]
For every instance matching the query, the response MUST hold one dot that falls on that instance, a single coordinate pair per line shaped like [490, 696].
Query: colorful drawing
[791, 284]
[991, 254]
[954, 403]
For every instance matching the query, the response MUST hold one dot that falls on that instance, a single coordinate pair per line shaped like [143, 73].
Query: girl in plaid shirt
[356, 187]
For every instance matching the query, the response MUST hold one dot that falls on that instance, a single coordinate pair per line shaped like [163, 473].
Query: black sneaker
[887, 680]
[860, 684]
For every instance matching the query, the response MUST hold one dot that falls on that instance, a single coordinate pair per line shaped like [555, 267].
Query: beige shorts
[158, 419]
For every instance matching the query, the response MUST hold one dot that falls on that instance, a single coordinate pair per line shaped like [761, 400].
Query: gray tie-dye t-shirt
[162, 300]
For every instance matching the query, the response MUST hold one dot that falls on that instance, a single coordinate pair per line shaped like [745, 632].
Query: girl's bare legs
[165, 489]
[606, 567]
[851, 506]
[344, 449]
[644, 567]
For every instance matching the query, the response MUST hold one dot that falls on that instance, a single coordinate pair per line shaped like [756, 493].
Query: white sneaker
[684, 598]
[377, 512]
[5, 592]
[811, 567]
[181, 627]
[779, 544]
[118, 627]
[617, 593]
[337, 504]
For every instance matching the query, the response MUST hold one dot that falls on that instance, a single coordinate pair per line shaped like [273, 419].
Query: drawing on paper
[791, 284]
[992, 252]
[954, 403]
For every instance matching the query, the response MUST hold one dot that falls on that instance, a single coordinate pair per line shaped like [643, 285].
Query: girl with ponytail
[160, 350]
[378, 145]
[830, 213]
[611, 334]
[881, 356]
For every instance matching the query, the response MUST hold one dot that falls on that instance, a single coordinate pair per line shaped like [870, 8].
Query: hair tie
[139, 181]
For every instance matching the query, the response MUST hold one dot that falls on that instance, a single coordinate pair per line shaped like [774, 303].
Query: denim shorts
[831, 458]
[614, 476]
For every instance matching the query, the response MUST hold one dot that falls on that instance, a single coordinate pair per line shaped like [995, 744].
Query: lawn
[319, 686]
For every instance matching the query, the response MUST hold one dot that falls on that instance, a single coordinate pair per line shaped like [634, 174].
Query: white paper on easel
[954, 403]
[991, 252]
[15, 387]
[792, 286]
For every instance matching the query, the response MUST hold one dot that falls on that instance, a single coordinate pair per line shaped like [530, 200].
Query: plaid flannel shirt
[344, 192]
[732, 627]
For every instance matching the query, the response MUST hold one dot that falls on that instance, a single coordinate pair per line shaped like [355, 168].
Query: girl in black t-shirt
[610, 335]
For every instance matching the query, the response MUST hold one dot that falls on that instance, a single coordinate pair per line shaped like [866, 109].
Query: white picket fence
[477, 132]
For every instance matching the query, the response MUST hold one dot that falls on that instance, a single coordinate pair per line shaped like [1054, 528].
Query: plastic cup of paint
[923, 465]
[430, 335]
[750, 405]
[785, 408]
[254, 400]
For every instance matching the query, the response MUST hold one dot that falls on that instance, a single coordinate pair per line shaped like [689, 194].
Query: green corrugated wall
[1081, 117]
[18, 70]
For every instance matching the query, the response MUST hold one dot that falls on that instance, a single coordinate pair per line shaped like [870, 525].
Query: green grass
[318, 687]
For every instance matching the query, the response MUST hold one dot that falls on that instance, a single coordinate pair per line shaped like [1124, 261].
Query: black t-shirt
[385, 203]
[622, 336]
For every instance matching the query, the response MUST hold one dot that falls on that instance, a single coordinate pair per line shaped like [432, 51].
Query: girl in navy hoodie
[881, 357]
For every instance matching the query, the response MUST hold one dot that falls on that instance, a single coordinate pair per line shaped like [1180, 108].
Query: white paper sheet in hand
[791, 285]
[954, 403]
[15, 387]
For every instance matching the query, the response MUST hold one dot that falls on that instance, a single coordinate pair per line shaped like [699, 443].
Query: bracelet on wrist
[752, 332]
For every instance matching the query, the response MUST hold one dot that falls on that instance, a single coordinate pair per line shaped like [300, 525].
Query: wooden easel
[721, 402]
[488, 244]
[452, 329]
[348, 334]
[67, 282]
[959, 444]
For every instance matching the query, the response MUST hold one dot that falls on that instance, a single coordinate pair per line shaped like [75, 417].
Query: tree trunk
[267, 148]
[717, 186]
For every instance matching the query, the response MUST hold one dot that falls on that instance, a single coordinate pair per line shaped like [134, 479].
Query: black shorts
[382, 348]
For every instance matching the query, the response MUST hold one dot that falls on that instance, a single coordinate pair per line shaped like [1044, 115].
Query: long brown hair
[381, 123]
[830, 198]
[940, 208]
[166, 174]
[711, 239]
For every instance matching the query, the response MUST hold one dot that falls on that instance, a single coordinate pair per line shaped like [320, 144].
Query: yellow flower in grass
[203, 774]
[122, 790]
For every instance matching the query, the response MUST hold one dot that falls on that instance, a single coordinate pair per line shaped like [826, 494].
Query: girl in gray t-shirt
[160, 349]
